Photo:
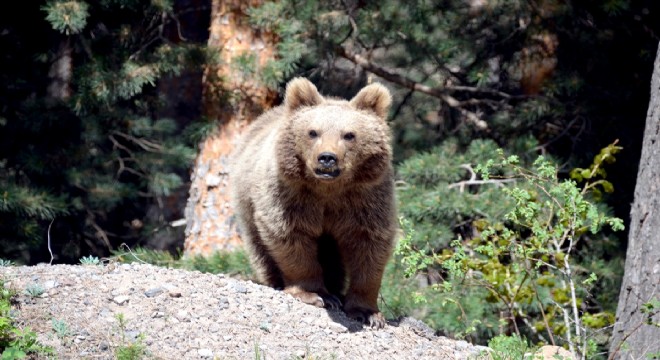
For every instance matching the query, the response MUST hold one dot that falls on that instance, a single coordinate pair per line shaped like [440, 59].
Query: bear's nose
[327, 159]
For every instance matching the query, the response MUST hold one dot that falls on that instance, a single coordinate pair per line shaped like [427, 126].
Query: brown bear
[313, 190]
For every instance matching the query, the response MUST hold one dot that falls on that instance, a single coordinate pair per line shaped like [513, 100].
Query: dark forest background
[102, 108]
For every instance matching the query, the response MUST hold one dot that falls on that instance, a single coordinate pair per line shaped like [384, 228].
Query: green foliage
[650, 309]
[290, 47]
[61, 328]
[129, 350]
[15, 343]
[230, 262]
[435, 192]
[523, 263]
[508, 347]
[34, 290]
[97, 153]
[596, 171]
[90, 260]
[68, 17]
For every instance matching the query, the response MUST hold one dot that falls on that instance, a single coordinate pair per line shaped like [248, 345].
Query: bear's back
[257, 134]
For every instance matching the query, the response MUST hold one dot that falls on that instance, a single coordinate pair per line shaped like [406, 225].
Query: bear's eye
[349, 136]
[313, 134]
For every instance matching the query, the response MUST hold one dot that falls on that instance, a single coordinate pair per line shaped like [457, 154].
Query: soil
[179, 314]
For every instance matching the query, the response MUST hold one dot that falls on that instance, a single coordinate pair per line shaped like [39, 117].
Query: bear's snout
[327, 167]
[327, 159]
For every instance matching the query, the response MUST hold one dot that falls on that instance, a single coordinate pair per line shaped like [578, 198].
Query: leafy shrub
[522, 266]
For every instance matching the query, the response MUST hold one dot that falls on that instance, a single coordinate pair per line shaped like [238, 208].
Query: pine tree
[82, 145]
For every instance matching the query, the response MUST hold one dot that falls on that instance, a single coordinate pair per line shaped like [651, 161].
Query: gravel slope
[189, 315]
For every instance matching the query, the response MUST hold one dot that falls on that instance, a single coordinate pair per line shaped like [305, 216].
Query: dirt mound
[178, 314]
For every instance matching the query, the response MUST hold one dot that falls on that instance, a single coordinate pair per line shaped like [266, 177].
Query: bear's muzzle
[327, 166]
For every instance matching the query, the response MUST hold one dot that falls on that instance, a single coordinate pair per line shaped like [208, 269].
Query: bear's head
[335, 141]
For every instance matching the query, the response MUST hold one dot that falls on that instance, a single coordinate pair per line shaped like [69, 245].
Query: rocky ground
[178, 314]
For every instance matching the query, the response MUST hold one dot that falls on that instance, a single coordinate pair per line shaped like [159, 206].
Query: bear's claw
[368, 317]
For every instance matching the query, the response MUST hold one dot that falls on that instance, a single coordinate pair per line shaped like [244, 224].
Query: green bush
[516, 266]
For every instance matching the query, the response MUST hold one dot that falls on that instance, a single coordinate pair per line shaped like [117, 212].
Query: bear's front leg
[302, 273]
[365, 260]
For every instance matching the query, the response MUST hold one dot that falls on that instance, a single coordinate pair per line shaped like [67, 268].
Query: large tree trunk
[233, 100]
[633, 338]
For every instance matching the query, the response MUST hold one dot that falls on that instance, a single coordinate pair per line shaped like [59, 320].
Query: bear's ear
[301, 92]
[375, 98]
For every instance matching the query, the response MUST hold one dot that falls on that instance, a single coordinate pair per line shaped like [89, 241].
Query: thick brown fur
[312, 186]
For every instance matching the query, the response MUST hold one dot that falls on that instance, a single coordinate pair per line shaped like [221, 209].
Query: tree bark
[633, 338]
[60, 73]
[233, 99]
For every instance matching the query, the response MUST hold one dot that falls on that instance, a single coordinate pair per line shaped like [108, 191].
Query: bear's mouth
[327, 173]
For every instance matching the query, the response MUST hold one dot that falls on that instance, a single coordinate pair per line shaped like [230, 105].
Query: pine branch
[440, 93]
[443, 93]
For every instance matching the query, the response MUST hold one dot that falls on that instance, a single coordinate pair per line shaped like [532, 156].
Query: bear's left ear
[375, 98]
[301, 92]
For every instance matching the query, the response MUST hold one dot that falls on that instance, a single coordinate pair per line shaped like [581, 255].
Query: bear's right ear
[301, 92]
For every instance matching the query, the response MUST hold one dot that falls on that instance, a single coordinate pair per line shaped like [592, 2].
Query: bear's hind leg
[264, 266]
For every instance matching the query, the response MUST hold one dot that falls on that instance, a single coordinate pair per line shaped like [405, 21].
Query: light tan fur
[313, 192]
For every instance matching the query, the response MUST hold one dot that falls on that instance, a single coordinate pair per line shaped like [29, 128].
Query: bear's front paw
[366, 316]
[331, 302]
[321, 299]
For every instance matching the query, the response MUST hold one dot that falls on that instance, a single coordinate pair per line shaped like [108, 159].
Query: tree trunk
[233, 99]
[633, 338]
[60, 72]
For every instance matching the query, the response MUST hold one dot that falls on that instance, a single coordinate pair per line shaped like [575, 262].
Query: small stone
[205, 353]
[120, 300]
[223, 303]
[227, 337]
[240, 288]
[50, 284]
[300, 353]
[132, 335]
[154, 292]
[549, 352]
[175, 293]
[182, 315]
[213, 180]
[336, 327]
[382, 334]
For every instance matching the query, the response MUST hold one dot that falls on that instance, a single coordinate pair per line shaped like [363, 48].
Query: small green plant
[258, 353]
[34, 290]
[61, 328]
[4, 262]
[15, 343]
[90, 260]
[129, 350]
